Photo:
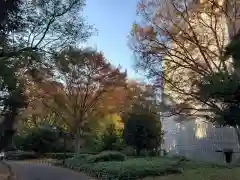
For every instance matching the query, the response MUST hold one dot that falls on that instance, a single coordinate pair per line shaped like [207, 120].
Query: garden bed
[149, 168]
[129, 169]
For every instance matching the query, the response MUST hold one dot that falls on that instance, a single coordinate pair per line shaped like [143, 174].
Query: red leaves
[146, 32]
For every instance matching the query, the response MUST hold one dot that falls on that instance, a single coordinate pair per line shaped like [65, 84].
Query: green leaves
[233, 50]
[143, 131]
[130, 169]
[221, 87]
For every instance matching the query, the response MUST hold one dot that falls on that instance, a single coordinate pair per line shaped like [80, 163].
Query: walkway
[4, 171]
[27, 171]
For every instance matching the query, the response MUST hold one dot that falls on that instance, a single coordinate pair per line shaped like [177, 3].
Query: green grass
[203, 174]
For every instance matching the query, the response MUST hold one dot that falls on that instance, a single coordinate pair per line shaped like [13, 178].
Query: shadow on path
[30, 171]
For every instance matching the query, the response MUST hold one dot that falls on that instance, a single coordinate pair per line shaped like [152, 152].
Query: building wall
[199, 140]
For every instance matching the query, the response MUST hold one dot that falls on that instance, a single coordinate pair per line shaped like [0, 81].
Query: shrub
[180, 158]
[80, 156]
[106, 133]
[142, 131]
[87, 151]
[77, 160]
[21, 155]
[58, 155]
[131, 169]
[128, 151]
[107, 156]
[112, 138]
[18, 141]
[75, 163]
[41, 140]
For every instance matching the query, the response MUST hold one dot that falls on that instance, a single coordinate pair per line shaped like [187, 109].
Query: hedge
[107, 156]
[130, 169]
[21, 155]
[58, 155]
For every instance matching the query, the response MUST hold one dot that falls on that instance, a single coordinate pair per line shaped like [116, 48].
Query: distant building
[198, 140]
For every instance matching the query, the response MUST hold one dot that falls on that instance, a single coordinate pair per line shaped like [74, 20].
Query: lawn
[202, 174]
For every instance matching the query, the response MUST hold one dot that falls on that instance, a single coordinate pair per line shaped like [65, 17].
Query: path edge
[11, 175]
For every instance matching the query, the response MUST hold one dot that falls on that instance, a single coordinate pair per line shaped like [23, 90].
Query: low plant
[21, 155]
[129, 169]
[107, 156]
[58, 155]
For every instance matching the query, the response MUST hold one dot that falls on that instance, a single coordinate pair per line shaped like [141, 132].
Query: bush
[131, 169]
[59, 155]
[21, 155]
[81, 159]
[107, 156]
[180, 158]
[41, 140]
[18, 141]
[76, 162]
[87, 151]
[142, 131]
[112, 138]
[106, 133]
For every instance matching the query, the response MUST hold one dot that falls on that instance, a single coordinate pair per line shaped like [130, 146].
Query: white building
[199, 140]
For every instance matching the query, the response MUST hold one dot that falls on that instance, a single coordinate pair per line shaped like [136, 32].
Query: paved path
[27, 171]
[4, 171]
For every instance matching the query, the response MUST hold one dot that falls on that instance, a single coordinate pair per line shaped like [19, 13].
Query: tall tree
[11, 98]
[142, 126]
[31, 32]
[84, 76]
[223, 88]
[179, 42]
[120, 99]
[104, 133]
[143, 131]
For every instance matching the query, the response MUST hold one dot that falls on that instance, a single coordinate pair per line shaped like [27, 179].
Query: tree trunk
[78, 140]
[7, 128]
[138, 151]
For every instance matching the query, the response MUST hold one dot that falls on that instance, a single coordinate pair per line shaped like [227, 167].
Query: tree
[31, 32]
[11, 98]
[142, 126]
[84, 77]
[120, 99]
[223, 88]
[112, 138]
[36, 113]
[104, 133]
[41, 139]
[9, 19]
[142, 131]
[180, 42]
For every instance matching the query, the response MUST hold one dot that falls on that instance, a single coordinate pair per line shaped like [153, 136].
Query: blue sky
[113, 19]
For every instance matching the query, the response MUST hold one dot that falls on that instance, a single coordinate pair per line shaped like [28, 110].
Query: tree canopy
[32, 32]
[179, 42]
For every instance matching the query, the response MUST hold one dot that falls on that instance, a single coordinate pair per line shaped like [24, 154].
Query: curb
[11, 175]
[49, 162]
